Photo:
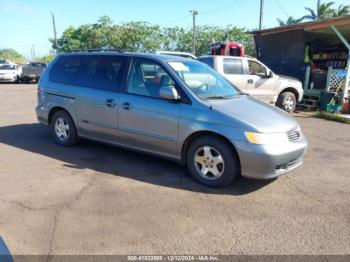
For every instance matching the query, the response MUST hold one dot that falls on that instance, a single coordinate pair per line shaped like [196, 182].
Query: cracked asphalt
[97, 199]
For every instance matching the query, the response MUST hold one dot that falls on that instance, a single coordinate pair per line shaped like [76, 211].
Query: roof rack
[95, 50]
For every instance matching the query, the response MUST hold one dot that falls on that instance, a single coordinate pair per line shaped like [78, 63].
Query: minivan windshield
[203, 81]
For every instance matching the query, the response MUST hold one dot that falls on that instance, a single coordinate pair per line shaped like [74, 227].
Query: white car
[10, 73]
[256, 79]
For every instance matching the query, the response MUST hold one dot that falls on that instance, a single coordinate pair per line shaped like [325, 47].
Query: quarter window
[233, 66]
[66, 70]
[102, 72]
[146, 78]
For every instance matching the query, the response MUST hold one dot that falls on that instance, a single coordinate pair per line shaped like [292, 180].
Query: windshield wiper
[216, 97]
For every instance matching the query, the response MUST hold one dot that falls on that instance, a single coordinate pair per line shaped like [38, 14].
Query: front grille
[294, 136]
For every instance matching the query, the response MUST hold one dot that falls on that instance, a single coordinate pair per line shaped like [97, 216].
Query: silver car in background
[172, 107]
[254, 78]
[10, 73]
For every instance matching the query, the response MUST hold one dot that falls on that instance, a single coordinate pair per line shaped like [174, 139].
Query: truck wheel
[26, 80]
[212, 162]
[63, 129]
[287, 101]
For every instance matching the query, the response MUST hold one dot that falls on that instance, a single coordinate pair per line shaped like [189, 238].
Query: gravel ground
[97, 199]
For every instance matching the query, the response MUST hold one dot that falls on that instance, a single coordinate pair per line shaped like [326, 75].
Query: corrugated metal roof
[307, 26]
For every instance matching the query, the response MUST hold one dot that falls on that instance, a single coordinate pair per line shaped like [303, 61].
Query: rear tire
[63, 129]
[287, 101]
[212, 162]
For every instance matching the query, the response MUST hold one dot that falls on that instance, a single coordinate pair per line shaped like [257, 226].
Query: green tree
[342, 10]
[12, 55]
[289, 21]
[46, 58]
[323, 11]
[144, 37]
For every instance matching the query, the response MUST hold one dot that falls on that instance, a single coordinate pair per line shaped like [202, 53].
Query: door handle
[110, 103]
[127, 106]
[250, 81]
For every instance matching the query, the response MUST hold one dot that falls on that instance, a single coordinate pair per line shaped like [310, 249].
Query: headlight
[266, 139]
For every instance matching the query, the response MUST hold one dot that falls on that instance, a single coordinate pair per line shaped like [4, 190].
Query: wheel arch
[196, 135]
[55, 110]
[292, 90]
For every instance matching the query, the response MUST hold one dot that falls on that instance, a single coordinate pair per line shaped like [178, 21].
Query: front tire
[287, 101]
[212, 162]
[63, 129]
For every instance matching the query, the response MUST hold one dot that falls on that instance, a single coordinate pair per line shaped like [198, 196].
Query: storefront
[317, 53]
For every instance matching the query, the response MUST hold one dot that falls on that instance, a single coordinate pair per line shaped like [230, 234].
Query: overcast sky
[28, 22]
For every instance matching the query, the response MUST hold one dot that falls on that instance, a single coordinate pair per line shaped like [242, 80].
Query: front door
[97, 97]
[259, 84]
[146, 121]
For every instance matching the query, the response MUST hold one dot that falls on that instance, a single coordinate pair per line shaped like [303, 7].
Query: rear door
[146, 121]
[232, 69]
[97, 96]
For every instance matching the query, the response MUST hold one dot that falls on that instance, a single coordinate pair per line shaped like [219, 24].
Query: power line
[282, 8]
[178, 19]
[222, 8]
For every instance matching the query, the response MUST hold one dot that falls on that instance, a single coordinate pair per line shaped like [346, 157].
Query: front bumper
[6, 79]
[270, 161]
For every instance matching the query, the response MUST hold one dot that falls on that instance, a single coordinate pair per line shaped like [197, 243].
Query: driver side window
[257, 69]
[147, 78]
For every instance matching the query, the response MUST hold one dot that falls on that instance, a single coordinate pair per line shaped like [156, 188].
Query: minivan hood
[256, 115]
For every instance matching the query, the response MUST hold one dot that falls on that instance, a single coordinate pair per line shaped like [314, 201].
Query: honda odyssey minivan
[169, 106]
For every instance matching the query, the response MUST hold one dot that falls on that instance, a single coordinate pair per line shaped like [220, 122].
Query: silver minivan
[172, 107]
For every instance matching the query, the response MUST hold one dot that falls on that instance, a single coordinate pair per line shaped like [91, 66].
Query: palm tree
[323, 11]
[342, 11]
[289, 21]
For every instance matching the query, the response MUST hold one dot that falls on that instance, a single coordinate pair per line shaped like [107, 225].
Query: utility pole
[261, 25]
[54, 32]
[33, 52]
[194, 13]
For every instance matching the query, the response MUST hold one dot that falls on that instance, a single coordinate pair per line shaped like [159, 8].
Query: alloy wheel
[62, 129]
[209, 163]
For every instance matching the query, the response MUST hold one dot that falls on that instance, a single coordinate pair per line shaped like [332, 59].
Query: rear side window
[102, 72]
[207, 60]
[233, 66]
[66, 70]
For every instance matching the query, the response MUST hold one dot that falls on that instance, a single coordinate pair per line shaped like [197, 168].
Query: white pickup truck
[254, 78]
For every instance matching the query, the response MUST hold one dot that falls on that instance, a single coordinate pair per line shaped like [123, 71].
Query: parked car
[33, 71]
[172, 107]
[10, 73]
[4, 61]
[174, 53]
[253, 77]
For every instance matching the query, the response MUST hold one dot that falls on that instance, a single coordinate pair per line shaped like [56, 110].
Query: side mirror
[169, 93]
[270, 75]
